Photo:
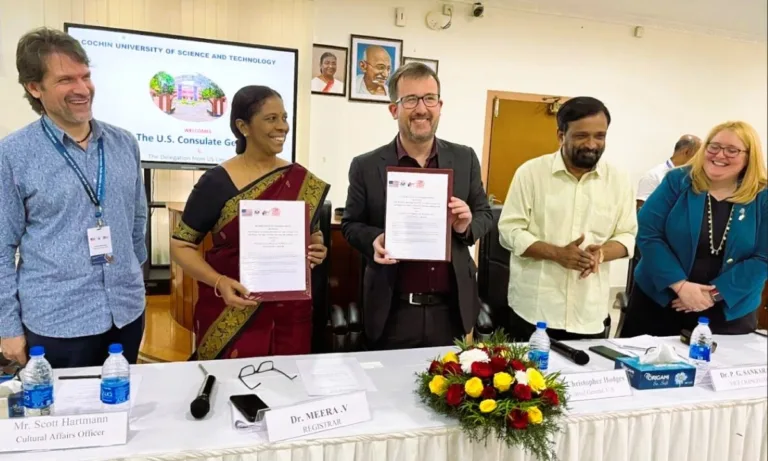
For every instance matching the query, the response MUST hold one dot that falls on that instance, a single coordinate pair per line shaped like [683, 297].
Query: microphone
[202, 404]
[575, 355]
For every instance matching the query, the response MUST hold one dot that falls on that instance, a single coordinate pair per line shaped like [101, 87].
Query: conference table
[685, 424]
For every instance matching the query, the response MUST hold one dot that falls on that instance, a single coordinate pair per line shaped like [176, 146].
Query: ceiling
[740, 19]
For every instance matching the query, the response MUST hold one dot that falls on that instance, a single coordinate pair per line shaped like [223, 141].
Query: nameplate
[597, 385]
[728, 379]
[64, 432]
[317, 416]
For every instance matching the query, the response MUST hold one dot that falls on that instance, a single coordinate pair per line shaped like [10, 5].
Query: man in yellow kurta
[565, 216]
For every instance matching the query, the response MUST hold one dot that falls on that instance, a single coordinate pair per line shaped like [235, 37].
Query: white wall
[656, 88]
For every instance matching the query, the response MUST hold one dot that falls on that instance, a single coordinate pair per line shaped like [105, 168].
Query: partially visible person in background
[228, 323]
[703, 235]
[685, 148]
[65, 180]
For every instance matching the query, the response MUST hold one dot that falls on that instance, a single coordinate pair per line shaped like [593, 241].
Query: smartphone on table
[250, 405]
[607, 352]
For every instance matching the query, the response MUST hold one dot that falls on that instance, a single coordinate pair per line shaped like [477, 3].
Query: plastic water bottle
[539, 346]
[116, 380]
[37, 384]
[701, 348]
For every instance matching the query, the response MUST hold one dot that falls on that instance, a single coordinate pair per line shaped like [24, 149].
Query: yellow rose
[438, 385]
[487, 406]
[535, 380]
[502, 381]
[473, 387]
[535, 416]
[450, 357]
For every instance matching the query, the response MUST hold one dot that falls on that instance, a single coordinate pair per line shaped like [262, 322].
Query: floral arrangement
[493, 387]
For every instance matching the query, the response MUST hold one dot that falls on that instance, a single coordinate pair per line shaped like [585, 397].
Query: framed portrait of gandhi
[372, 61]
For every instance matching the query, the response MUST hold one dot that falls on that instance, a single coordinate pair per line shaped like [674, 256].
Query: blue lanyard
[97, 198]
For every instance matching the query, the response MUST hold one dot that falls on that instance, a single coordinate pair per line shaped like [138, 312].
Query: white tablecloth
[689, 424]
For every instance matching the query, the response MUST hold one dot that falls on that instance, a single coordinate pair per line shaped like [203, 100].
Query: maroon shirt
[418, 276]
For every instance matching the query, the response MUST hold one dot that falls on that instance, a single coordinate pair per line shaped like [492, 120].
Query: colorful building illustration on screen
[188, 97]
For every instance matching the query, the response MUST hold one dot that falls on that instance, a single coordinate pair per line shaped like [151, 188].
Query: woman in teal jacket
[703, 237]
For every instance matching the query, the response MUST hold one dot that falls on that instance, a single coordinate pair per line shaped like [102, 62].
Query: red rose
[523, 392]
[499, 350]
[550, 397]
[488, 393]
[482, 370]
[434, 368]
[517, 419]
[498, 364]
[517, 365]
[452, 368]
[454, 395]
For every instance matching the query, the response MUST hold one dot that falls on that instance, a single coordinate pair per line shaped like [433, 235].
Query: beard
[422, 136]
[584, 157]
[76, 114]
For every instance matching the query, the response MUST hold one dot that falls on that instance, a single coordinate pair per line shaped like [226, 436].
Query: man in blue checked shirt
[72, 203]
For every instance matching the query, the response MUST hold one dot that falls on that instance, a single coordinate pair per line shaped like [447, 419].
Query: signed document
[418, 224]
[274, 236]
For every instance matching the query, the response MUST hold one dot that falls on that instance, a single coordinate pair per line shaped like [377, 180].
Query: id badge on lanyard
[99, 237]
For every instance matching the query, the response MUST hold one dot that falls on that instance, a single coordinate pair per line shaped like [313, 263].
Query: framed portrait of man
[372, 61]
[329, 70]
[431, 63]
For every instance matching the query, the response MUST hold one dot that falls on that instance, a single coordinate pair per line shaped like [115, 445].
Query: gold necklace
[712, 249]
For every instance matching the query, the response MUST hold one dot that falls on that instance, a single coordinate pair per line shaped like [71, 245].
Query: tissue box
[657, 376]
[12, 406]
[11, 399]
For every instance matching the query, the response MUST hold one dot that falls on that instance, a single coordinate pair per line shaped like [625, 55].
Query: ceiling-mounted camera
[478, 9]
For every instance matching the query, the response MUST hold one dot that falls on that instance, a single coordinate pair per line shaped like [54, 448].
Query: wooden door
[520, 131]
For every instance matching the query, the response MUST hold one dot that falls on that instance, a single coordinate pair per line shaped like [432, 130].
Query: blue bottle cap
[704, 320]
[36, 351]
[542, 325]
[116, 348]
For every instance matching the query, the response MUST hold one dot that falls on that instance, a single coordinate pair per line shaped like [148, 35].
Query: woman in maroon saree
[227, 323]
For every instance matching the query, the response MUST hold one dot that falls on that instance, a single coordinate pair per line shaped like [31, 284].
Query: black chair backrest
[493, 267]
[320, 275]
[631, 271]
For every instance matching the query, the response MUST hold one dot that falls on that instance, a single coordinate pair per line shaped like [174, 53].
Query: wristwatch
[716, 296]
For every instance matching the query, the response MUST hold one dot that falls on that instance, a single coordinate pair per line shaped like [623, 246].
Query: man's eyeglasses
[729, 151]
[409, 102]
[250, 370]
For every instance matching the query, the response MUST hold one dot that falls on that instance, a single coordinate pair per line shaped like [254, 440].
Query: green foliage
[162, 83]
[478, 426]
[212, 91]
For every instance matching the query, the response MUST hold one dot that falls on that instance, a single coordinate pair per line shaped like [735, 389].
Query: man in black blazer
[416, 304]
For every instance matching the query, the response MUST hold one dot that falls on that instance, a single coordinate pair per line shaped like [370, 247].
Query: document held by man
[418, 223]
[274, 236]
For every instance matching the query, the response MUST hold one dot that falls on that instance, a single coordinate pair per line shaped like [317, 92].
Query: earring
[742, 212]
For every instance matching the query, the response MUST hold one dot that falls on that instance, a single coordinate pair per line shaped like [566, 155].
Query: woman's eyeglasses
[729, 151]
[250, 370]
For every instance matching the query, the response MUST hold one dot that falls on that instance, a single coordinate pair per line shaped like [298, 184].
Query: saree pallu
[272, 328]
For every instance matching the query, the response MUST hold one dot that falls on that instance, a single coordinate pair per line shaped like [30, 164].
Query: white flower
[521, 377]
[467, 358]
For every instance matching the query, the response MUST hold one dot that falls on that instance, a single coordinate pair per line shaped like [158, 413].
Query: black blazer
[364, 216]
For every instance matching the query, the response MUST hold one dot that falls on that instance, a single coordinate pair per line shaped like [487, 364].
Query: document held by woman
[274, 236]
